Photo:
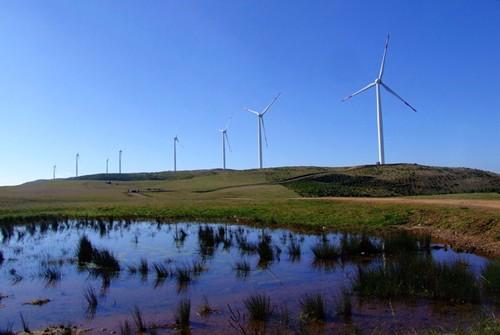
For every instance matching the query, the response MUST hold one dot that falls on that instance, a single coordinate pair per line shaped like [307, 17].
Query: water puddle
[51, 277]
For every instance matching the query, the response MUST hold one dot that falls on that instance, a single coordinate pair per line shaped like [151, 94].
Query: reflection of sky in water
[284, 280]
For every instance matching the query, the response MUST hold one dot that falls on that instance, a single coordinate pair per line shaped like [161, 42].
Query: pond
[232, 279]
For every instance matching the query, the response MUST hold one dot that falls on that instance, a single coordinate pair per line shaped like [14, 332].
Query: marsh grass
[357, 245]
[162, 272]
[1, 257]
[24, 323]
[183, 276]
[91, 298]
[325, 251]
[419, 277]
[344, 306]
[183, 314]
[242, 268]
[491, 276]
[205, 308]
[259, 307]
[105, 260]
[84, 251]
[406, 242]
[312, 308]
[51, 274]
[125, 328]
[294, 250]
[143, 267]
[197, 267]
[265, 251]
[140, 325]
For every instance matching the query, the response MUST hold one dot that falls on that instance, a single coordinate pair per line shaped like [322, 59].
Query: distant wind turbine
[107, 165]
[176, 139]
[120, 161]
[77, 159]
[225, 139]
[261, 127]
[54, 172]
[377, 83]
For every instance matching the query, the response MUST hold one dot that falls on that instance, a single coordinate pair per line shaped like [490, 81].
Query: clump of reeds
[419, 277]
[259, 307]
[344, 306]
[183, 314]
[183, 275]
[491, 275]
[242, 268]
[140, 325]
[325, 251]
[162, 272]
[125, 328]
[51, 274]
[354, 246]
[91, 299]
[143, 267]
[197, 267]
[403, 242]
[265, 251]
[84, 250]
[294, 250]
[104, 259]
[313, 308]
[24, 324]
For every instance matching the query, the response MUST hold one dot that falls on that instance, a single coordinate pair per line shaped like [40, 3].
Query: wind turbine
[120, 161]
[261, 127]
[54, 172]
[107, 165]
[77, 159]
[378, 83]
[225, 139]
[176, 139]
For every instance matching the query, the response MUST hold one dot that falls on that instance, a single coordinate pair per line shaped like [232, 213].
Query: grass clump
[143, 267]
[404, 241]
[419, 277]
[125, 328]
[344, 306]
[183, 314]
[1, 257]
[294, 250]
[161, 271]
[51, 274]
[313, 308]
[183, 276]
[140, 325]
[355, 246]
[325, 251]
[265, 251]
[84, 251]
[91, 298]
[491, 276]
[105, 260]
[258, 307]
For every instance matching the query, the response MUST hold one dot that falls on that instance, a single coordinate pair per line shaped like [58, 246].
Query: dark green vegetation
[486, 326]
[259, 307]
[103, 259]
[183, 314]
[491, 276]
[91, 299]
[419, 277]
[395, 180]
[313, 308]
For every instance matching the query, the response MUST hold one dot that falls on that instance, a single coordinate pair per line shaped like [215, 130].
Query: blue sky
[97, 76]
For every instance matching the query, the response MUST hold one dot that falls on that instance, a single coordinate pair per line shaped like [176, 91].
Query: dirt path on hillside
[487, 204]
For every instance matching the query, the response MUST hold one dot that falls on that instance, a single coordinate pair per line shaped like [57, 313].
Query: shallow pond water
[40, 262]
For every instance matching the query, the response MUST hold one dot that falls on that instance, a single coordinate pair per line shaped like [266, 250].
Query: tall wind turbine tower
[176, 139]
[54, 172]
[107, 165]
[77, 159]
[378, 83]
[120, 161]
[225, 139]
[261, 127]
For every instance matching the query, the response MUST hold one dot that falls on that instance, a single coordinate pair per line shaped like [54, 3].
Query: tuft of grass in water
[344, 306]
[1, 257]
[91, 299]
[140, 325]
[24, 324]
[183, 314]
[143, 267]
[403, 241]
[205, 308]
[125, 328]
[84, 251]
[161, 270]
[355, 246]
[104, 259]
[294, 250]
[242, 268]
[51, 274]
[420, 277]
[491, 276]
[183, 275]
[258, 307]
[313, 308]
[197, 267]
[325, 251]
[265, 251]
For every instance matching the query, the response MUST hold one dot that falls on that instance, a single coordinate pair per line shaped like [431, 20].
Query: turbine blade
[269, 106]
[360, 91]
[227, 140]
[251, 111]
[397, 96]
[381, 73]
[264, 129]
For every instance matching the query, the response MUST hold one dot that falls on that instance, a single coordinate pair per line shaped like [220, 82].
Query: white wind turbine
[176, 139]
[377, 83]
[261, 126]
[225, 139]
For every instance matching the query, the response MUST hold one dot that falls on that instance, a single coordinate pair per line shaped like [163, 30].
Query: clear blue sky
[97, 76]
